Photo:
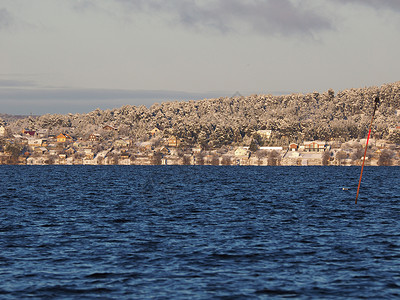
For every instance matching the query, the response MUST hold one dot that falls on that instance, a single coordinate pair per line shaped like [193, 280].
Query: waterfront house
[88, 153]
[241, 151]
[4, 158]
[314, 146]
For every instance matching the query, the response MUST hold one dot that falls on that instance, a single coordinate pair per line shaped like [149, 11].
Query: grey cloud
[6, 19]
[15, 83]
[40, 100]
[84, 5]
[281, 17]
[376, 4]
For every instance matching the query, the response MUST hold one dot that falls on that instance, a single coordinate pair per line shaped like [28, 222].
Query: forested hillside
[215, 122]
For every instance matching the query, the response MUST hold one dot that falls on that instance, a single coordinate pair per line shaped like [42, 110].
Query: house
[62, 159]
[94, 137]
[164, 150]
[109, 128]
[154, 132]
[42, 133]
[266, 134]
[62, 138]
[41, 150]
[88, 153]
[34, 143]
[173, 141]
[196, 150]
[70, 151]
[2, 131]
[314, 146]
[4, 158]
[28, 132]
[121, 143]
[242, 151]
[145, 146]
[293, 147]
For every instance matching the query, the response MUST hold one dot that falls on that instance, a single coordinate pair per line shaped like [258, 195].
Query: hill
[223, 121]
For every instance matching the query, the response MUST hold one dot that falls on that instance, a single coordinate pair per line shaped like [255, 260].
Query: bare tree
[340, 156]
[385, 158]
[215, 160]
[273, 158]
[199, 159]
[156, 159]
[226, 160]
[325, 158]
[186, 160]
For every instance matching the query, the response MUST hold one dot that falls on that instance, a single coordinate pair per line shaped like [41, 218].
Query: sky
[73, 56]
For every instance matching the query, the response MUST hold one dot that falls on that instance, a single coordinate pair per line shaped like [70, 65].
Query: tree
[15, 151]
[253, 146]
[199, 159]
[156, 159]
[273, 158]
[226, 160]
[395, 136]
[260, 154]
[385, 158]
[186, 160]
[340, 156]
[215, 160]
[325, 158]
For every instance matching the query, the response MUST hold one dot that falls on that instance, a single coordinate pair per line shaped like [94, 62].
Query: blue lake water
[199, 232]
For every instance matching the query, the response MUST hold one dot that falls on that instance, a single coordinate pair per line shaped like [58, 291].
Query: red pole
[366, 146]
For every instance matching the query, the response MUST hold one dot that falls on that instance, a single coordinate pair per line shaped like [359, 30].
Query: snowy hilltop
[254, 122]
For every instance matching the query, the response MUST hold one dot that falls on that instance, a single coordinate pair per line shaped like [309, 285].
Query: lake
[199, 232]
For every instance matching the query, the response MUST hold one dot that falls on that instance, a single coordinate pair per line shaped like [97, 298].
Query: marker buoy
[366, 146]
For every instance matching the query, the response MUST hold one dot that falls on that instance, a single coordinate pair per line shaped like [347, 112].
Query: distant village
[107, 146]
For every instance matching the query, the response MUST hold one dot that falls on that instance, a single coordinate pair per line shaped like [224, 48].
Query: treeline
[216, 122]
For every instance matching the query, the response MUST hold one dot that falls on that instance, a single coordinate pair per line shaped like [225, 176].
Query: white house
[2, 131]
[265, 133]
[242, 151]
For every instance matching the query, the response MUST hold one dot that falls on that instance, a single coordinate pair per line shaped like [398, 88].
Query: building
[94, 137]
[63, 137]
[173, 141]
[314, 146]
[42, 133]
[241, 151]
[266, 134]
[154, 132]
[28, 132]
[2, 131]
[109, 128]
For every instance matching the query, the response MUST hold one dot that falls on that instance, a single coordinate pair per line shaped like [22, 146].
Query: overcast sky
[61, 56]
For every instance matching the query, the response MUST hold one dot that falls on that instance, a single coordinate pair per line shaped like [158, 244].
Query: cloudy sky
[61, 56]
